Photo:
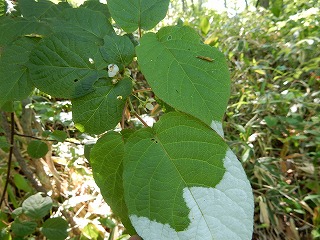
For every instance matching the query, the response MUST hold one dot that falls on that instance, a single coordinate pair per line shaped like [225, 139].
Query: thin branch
[49, 140]
[9, 159]
[123, 114]
[20, 159]
[140, 119]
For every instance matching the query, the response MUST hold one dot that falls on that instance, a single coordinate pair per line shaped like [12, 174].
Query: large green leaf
[102, 109]
[37, 206]
[106, 160]
[117, 50]
[65, 66]
[15, 83]
[185, 73]
[55, 228]
[12, 28]
[134, 14]
[93, 27]
[182, 182]
[41, 8]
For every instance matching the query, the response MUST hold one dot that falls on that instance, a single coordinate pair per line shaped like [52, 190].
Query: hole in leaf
[169, 37]
[75, 80]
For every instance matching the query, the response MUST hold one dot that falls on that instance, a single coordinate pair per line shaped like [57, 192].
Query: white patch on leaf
[221, 213]
[217, 126]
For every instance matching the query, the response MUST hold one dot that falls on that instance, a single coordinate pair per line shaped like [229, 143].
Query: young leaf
[55, 228]
[14, 78]
[117, 50]
[37, 206]
[37, 149]
[23, 228]
[171, 64]
[64, 66]
[58, 135]
[144, 14]
[41, 9]
[106, 161]
[101, 110]
[182, 182]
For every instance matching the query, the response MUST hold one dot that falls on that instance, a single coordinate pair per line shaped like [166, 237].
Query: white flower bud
[113, 69]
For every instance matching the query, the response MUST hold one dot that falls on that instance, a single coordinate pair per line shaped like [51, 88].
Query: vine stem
[9, 159]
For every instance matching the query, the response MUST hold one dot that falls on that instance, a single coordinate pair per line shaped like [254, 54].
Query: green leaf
[41, 9]
[134, 14]
[23, 228]
[58, 135]
[14, 77]
[102, 109]
[67, 67]
[37, 149]
[4, 145]
[12, 28]
[21, 183]
[2, 7]
[93, 27]
[106, 161]
[55, 228]
[205, 25]
[37, 206]
[276, 7]
[182, 182]
[87, 149]
[97, 6]
[180, 152]
[174, 64]
[117, 50]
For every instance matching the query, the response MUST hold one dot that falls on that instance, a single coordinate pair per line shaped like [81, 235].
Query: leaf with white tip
[182, 182]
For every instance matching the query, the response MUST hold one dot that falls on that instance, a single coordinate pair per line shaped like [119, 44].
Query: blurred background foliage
[272, 122]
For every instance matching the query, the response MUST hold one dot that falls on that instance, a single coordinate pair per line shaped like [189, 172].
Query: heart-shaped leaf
[185, 73]
[134, 14]
[182, 182]
[64, 66]
[102, 109]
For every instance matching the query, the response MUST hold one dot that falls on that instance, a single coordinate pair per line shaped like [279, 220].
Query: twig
[141, 120]
[20, 159]
[9, 159]
[123, 114]
[49, 140]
